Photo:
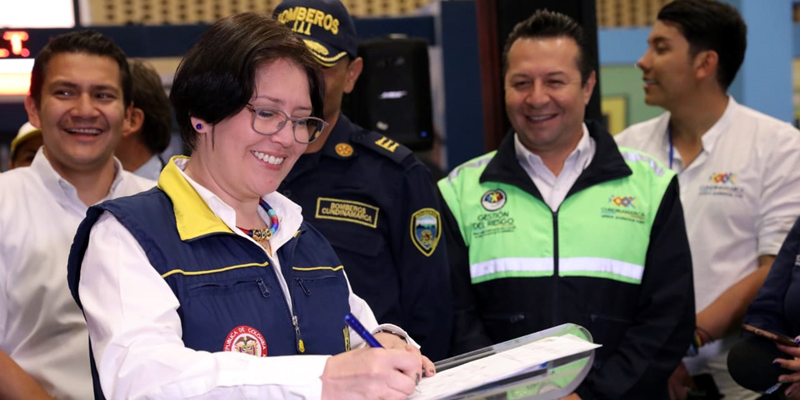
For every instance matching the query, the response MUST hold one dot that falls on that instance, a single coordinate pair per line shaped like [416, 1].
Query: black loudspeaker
[393, 94]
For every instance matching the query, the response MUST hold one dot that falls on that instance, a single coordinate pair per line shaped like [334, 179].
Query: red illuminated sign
[16, 40]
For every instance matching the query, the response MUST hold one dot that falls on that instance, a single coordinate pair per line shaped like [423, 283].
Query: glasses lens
[268, 121]
[307, 129]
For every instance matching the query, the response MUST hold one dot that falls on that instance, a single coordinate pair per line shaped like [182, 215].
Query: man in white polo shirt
[739, 172]
[81, 99]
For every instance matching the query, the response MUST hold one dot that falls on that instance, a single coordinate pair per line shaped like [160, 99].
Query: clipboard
[556, 377]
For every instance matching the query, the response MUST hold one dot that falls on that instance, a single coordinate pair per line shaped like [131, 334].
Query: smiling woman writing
[232, 274]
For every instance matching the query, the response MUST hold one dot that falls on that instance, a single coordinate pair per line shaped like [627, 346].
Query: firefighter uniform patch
[426, 230]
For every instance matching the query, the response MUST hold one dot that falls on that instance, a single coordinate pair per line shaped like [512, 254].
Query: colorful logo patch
[347, 211]
[722, 178]
[247, 340]
[426, 230]
[493, 200]
[344, 150]
[722, 184]
[622, 208]
[623, 201]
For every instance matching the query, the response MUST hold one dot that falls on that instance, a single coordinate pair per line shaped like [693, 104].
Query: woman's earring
[199, 126]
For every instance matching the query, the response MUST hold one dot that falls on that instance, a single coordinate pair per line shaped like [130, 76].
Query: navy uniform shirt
[377, 205]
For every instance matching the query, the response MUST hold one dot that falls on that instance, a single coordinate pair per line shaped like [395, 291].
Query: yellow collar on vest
[193, 217]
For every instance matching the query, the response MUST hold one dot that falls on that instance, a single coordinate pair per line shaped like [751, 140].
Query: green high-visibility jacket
[613, 258]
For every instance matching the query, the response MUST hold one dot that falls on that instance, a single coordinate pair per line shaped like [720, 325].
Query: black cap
[750, 364]
[325, 26]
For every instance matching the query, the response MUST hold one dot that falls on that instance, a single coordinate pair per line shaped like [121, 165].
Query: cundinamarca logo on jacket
[622, 207]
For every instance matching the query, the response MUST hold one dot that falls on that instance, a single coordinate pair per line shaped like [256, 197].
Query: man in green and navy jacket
[559, 225]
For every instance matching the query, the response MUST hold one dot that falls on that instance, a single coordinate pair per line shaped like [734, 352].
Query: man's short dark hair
[711, 25]
[545, 24]
[150, 97]
[217, 77]
[80, 42]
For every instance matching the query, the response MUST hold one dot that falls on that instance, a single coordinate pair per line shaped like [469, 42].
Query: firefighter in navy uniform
[373, 200]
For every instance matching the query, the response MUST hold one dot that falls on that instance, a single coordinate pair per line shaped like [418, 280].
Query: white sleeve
[136, 335]
[780, 198]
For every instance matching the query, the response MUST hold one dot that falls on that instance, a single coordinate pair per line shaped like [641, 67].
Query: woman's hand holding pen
[371, 373]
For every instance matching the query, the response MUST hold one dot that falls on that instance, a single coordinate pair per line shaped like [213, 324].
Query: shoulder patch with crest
[426, 230]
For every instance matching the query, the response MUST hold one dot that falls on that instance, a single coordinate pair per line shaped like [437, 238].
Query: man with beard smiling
[738, 171]
[559, 225]
[80, 98]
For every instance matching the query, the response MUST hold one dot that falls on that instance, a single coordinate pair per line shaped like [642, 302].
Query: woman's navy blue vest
[224, 281]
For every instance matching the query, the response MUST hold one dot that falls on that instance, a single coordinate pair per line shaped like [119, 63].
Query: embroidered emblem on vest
[622, 208]
[244, 339]
[347, 211]
[493, 200]
[425, 230]
[346, 332]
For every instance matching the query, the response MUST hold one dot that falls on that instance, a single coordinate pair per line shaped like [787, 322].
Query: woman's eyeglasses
[269, 121]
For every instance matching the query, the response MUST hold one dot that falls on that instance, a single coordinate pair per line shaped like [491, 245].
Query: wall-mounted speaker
[393, 94]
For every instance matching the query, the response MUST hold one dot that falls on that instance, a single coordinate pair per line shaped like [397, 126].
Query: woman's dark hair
[216, 77]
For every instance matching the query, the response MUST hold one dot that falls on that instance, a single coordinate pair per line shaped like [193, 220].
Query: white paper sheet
[496, 367]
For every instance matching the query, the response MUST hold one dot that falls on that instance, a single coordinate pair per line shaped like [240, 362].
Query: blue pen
[351, 320]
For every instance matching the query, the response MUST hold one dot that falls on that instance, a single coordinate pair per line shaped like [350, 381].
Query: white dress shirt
[553, 188]
[740, 197]
[136, 331]
[41, 327]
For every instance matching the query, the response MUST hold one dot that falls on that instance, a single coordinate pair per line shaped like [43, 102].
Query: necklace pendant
[261, 235]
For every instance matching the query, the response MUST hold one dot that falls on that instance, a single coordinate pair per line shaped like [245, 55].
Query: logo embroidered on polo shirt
[722, 184]
[347, 211]
[425, 230]
[247, 340]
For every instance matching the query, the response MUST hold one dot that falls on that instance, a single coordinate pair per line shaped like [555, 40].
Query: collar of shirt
[151, 169]
[340, 134]
[61, 189]
[709, 139]
[289, 213]
[577, 160]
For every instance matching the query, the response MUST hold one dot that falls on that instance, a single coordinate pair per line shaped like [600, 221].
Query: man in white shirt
[80, 98]
[739, 172]
[150, 130]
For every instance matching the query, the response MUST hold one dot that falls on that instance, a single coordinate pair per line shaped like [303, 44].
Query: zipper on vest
[303, 286]
[555, 269]
[301, 348]
[263, 287]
